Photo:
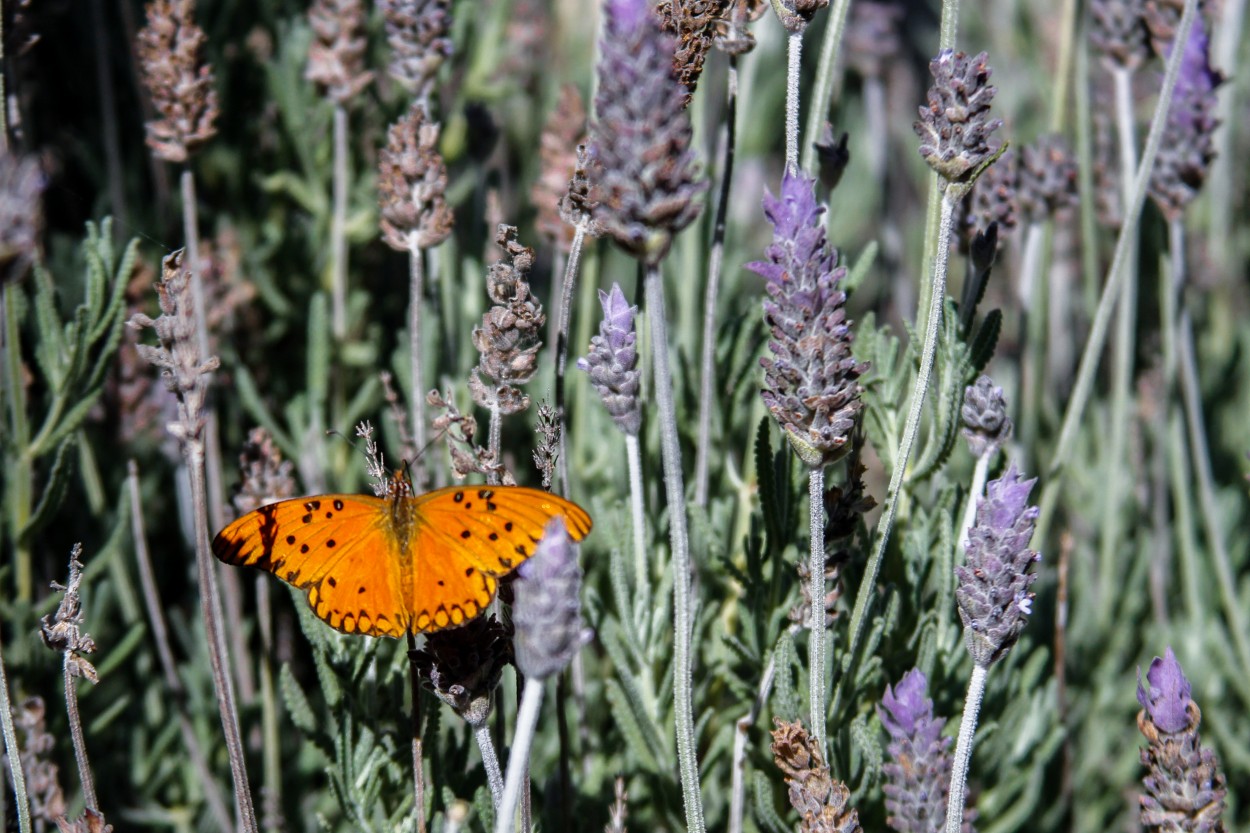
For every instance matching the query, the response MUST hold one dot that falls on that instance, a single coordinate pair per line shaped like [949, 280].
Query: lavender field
[693, 415]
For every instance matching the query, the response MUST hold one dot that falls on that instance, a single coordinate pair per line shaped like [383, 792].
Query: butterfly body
[390, 566]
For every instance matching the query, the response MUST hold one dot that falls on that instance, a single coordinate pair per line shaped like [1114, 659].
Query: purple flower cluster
[811, 385]
[917, 777]
[993, 593]
[613, 361]
[641, 137]
[547, 611]
[955, 127]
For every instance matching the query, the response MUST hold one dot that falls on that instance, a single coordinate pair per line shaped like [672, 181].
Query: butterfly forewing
[337, 548]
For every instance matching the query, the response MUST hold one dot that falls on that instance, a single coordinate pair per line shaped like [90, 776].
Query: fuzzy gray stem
[494, 438]
[937, 296]
[418, 751]
[1031, 327]
[642, 570]
[822, 92]
[490, 761]
[963, 750]
[518, 758]
[160, 632]
[210, 608]
[568, 284]
[979, 475]
[14, 754]
[794, 61]
[76, 736]
[683, 604]
[338, 227]
[1082, 388]
[818, 681]
[714, 260]
[416, 292]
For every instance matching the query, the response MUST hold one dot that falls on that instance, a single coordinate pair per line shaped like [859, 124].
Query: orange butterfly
[389, 566]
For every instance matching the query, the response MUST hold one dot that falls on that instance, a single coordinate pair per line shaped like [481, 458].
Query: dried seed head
[63, 631]
[1184, 787]
[178, 355]
[266, 477]
[459, 430]
[578, 207]
[821, 801]
[1118, 31]
[38, 748]
[558, 148]
[955, 127]
[417, 32]
[411, 182]
[547, 452]
[811, 383]
[641, 138]
[984, 412]
[547, 608]
[336, 57]
[180, 84]
[462, 666]
[613, 361]
[21, 214]
[693, 23]
[993, 593]
[1046, 183]
[1188, 145]
[510, 335]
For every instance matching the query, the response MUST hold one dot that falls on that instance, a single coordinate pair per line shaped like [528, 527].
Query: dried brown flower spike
[693, 23]
[411, 182]
[180, 84]
[336, 59]
[563, 134]
[820, 800]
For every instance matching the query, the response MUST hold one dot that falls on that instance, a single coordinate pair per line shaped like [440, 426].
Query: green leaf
[627, 724]
[254, 405]
[765, 813]
[986, 340]
[863, 265]
[53, 492]
[296, 701]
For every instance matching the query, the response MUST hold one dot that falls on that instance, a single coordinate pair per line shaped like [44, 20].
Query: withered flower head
[732, 35]
[182, 368]
[796, 14]
[693, 23]
[873, 38]
[37, 755]
[417, 31]
[63, 631]
[336, 57]
[955, 127]
[267, 478]
[821, 801]
[641, 138]
[1117, 30]
[180, 84]
[510, 335]
[411, 181]
[462, 666]
[984, 415]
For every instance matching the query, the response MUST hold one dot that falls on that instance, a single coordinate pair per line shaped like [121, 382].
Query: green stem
[13, 752]
[338, 227]
[963, 750]
[822, 92]
[568, 285]
[416, 358]
[642, 569]
[1116, 275]
[683, 604]
[937, 295]
[20, 492]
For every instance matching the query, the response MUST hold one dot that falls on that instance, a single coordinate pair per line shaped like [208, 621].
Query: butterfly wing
[465, 538]
[340, 549]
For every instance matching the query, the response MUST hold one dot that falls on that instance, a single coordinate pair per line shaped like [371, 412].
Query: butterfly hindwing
[337, 548]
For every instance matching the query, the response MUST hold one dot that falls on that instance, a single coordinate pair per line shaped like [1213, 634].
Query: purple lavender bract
[993, 593]
[811, 384]
[547, 611]
[613, 361]
[641, 137]
[917, 778]
[1166, 699]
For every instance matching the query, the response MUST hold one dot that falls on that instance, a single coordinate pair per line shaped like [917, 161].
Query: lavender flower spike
[613, 361]
[1188, 145]
[811, 385]
[917, 778]
[993, 594]
[1184, 788]
[642, 136]
[547, 612]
